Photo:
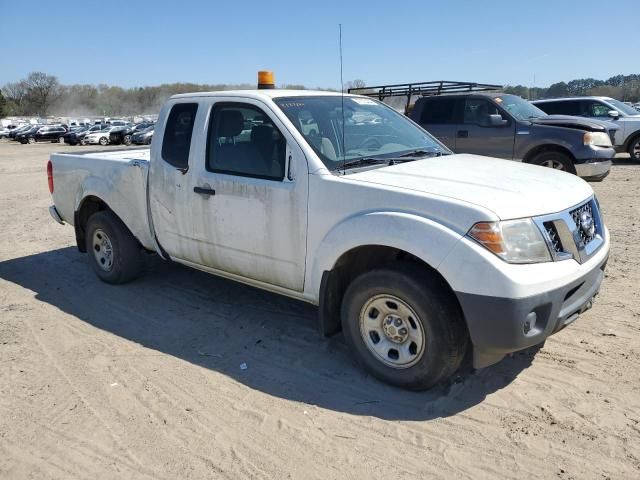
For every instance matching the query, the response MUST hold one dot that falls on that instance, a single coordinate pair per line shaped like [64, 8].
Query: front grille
[554, 238]
[577, 218]
[573, 233]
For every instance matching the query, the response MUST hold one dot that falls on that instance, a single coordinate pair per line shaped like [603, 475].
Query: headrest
[262, 134]
[231, 123]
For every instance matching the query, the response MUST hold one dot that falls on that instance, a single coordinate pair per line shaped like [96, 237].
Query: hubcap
[553, 164]
[103, 250]
[392, 331]
[636, 151]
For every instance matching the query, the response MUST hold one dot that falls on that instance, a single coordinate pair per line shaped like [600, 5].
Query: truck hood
[509, 189]
[578, 123]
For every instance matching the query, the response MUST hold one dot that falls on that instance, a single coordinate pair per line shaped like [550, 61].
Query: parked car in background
[4, 132]
[627, 139]
[17, 131]
[143, 137]
[100, 137]
[509, 127]
[54, 133]
[123, 135]
[76, 137]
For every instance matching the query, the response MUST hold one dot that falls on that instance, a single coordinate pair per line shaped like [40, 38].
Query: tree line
[41, 94]
[621, 87]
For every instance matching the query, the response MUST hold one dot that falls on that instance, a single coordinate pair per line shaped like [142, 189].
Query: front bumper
[594, 171]
[499, 325]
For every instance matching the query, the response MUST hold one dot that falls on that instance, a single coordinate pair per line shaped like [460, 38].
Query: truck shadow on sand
[219, 324]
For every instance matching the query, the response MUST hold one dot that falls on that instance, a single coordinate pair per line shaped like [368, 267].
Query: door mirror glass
[496, 120]
[613, 113]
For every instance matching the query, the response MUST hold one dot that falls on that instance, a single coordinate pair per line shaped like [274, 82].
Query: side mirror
[496, 120]
[613, 113]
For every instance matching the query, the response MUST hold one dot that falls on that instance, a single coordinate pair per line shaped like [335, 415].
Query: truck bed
[119, 178]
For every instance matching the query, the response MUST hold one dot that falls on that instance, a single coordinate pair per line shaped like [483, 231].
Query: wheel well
[546, 148]
[630, 140]
[88, 207]
[349, 266]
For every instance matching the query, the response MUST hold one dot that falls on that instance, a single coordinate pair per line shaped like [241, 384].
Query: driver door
[248, 196]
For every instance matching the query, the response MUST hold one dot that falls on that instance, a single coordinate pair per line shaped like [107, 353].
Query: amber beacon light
[266, 79]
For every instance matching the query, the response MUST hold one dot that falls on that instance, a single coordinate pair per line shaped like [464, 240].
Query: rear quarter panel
[117, 178]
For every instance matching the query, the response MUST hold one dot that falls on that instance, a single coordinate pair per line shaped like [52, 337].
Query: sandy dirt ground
[144, 380]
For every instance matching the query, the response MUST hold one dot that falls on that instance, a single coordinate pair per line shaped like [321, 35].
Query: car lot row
[121, 133]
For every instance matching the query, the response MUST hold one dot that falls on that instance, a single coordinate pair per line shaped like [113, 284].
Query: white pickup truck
[420, 256]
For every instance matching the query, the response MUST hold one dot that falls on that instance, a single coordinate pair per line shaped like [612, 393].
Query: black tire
[634, 149]
[561, 161]
[445, 333]
[127, 140]
[126, 252]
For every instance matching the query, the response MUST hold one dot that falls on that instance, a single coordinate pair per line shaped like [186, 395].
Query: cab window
[477, 111]
[176, 143]
[244, 141]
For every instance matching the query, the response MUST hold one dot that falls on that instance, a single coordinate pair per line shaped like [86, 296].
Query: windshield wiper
[423, 153]
[361, 162]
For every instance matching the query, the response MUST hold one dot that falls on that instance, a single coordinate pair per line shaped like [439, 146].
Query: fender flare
[393, 229]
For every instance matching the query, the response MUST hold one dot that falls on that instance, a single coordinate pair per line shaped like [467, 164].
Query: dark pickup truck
[471, 118]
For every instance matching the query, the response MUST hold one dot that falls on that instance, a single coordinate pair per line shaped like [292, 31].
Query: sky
[139, 43]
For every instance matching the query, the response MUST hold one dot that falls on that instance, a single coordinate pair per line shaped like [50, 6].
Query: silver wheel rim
[392, 331]
[103, 141]
[102, 250]
[636, 151]
[555, 164]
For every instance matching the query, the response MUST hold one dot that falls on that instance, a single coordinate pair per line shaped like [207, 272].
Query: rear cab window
[438, 111]
[176, 143]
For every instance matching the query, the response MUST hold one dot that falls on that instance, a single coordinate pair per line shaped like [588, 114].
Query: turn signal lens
[489, 235]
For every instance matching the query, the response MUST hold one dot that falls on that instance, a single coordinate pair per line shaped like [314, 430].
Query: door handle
[204, 191]
[463, 133]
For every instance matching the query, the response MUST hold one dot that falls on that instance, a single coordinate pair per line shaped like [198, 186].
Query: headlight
[598, 139]
[515, 241]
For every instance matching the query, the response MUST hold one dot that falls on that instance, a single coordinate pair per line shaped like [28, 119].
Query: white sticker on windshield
[363, 101]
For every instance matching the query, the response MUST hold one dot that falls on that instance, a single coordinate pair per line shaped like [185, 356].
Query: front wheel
[555, 160]
[404, 326]
[113, 251]
[634, 149]
[127, 140]
[103, 141]
[31, 140]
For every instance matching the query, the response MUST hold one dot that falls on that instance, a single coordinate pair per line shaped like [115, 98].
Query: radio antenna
[341, 96]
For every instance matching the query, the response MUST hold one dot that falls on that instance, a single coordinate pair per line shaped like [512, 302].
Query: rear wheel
[114, 253]
[31, 140]
[103, 141]
[555, 160]
[404, 326]
[634, 149]
[60, 139]
[127, 140]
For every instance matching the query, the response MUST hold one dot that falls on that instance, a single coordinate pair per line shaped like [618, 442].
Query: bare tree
[16, 96]
[43, 90]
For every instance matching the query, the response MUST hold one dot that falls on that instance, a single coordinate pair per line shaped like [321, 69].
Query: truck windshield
[518, 107]
[372, 130]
